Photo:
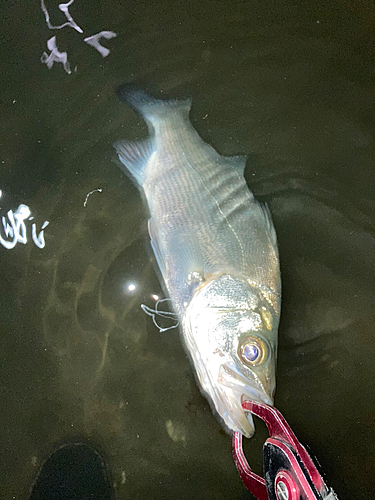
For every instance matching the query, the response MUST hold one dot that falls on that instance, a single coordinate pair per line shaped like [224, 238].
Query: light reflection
[155, 297]
[130, 287]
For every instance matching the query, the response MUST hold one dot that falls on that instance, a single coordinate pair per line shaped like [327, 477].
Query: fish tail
[150, 108]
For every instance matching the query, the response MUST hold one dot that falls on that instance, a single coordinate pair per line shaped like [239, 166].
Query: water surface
[291, 85]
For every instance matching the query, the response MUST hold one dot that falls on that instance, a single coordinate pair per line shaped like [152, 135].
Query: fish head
[230, 330]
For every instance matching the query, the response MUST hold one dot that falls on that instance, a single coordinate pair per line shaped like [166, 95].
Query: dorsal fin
[268, 222]
[237, 162]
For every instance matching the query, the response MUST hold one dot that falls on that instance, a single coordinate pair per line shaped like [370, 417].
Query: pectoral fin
[155, 238]
[188, 257]
[180, 247]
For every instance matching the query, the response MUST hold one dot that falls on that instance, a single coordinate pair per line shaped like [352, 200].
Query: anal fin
[135, 157]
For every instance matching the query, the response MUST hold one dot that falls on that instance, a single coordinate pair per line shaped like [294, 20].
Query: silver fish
[217, 252]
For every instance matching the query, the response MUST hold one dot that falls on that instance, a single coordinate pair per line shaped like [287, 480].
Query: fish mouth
[234, 388]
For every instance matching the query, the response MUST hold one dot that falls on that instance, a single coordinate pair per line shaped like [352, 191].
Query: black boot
[73, 472]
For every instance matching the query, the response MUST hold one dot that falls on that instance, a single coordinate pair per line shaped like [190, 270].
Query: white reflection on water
[62, 57]
[64, 7]
[94, 41]
[55, 56]
[131, 287]
[15, 229]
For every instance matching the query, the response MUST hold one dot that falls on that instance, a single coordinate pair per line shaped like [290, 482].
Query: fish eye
[252, 351]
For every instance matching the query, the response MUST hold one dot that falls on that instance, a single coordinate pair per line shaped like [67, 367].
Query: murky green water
[290, 84]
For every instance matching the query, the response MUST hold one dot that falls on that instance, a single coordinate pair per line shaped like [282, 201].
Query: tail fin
[150, 108]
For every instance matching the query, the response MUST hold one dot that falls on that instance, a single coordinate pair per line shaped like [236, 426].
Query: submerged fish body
[217, 252]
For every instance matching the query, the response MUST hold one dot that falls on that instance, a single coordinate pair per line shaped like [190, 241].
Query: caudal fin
[150, 108]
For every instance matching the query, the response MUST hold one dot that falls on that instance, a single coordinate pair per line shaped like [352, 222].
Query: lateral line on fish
[220, 210]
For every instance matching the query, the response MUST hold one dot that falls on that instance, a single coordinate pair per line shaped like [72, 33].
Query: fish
[216, 249]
